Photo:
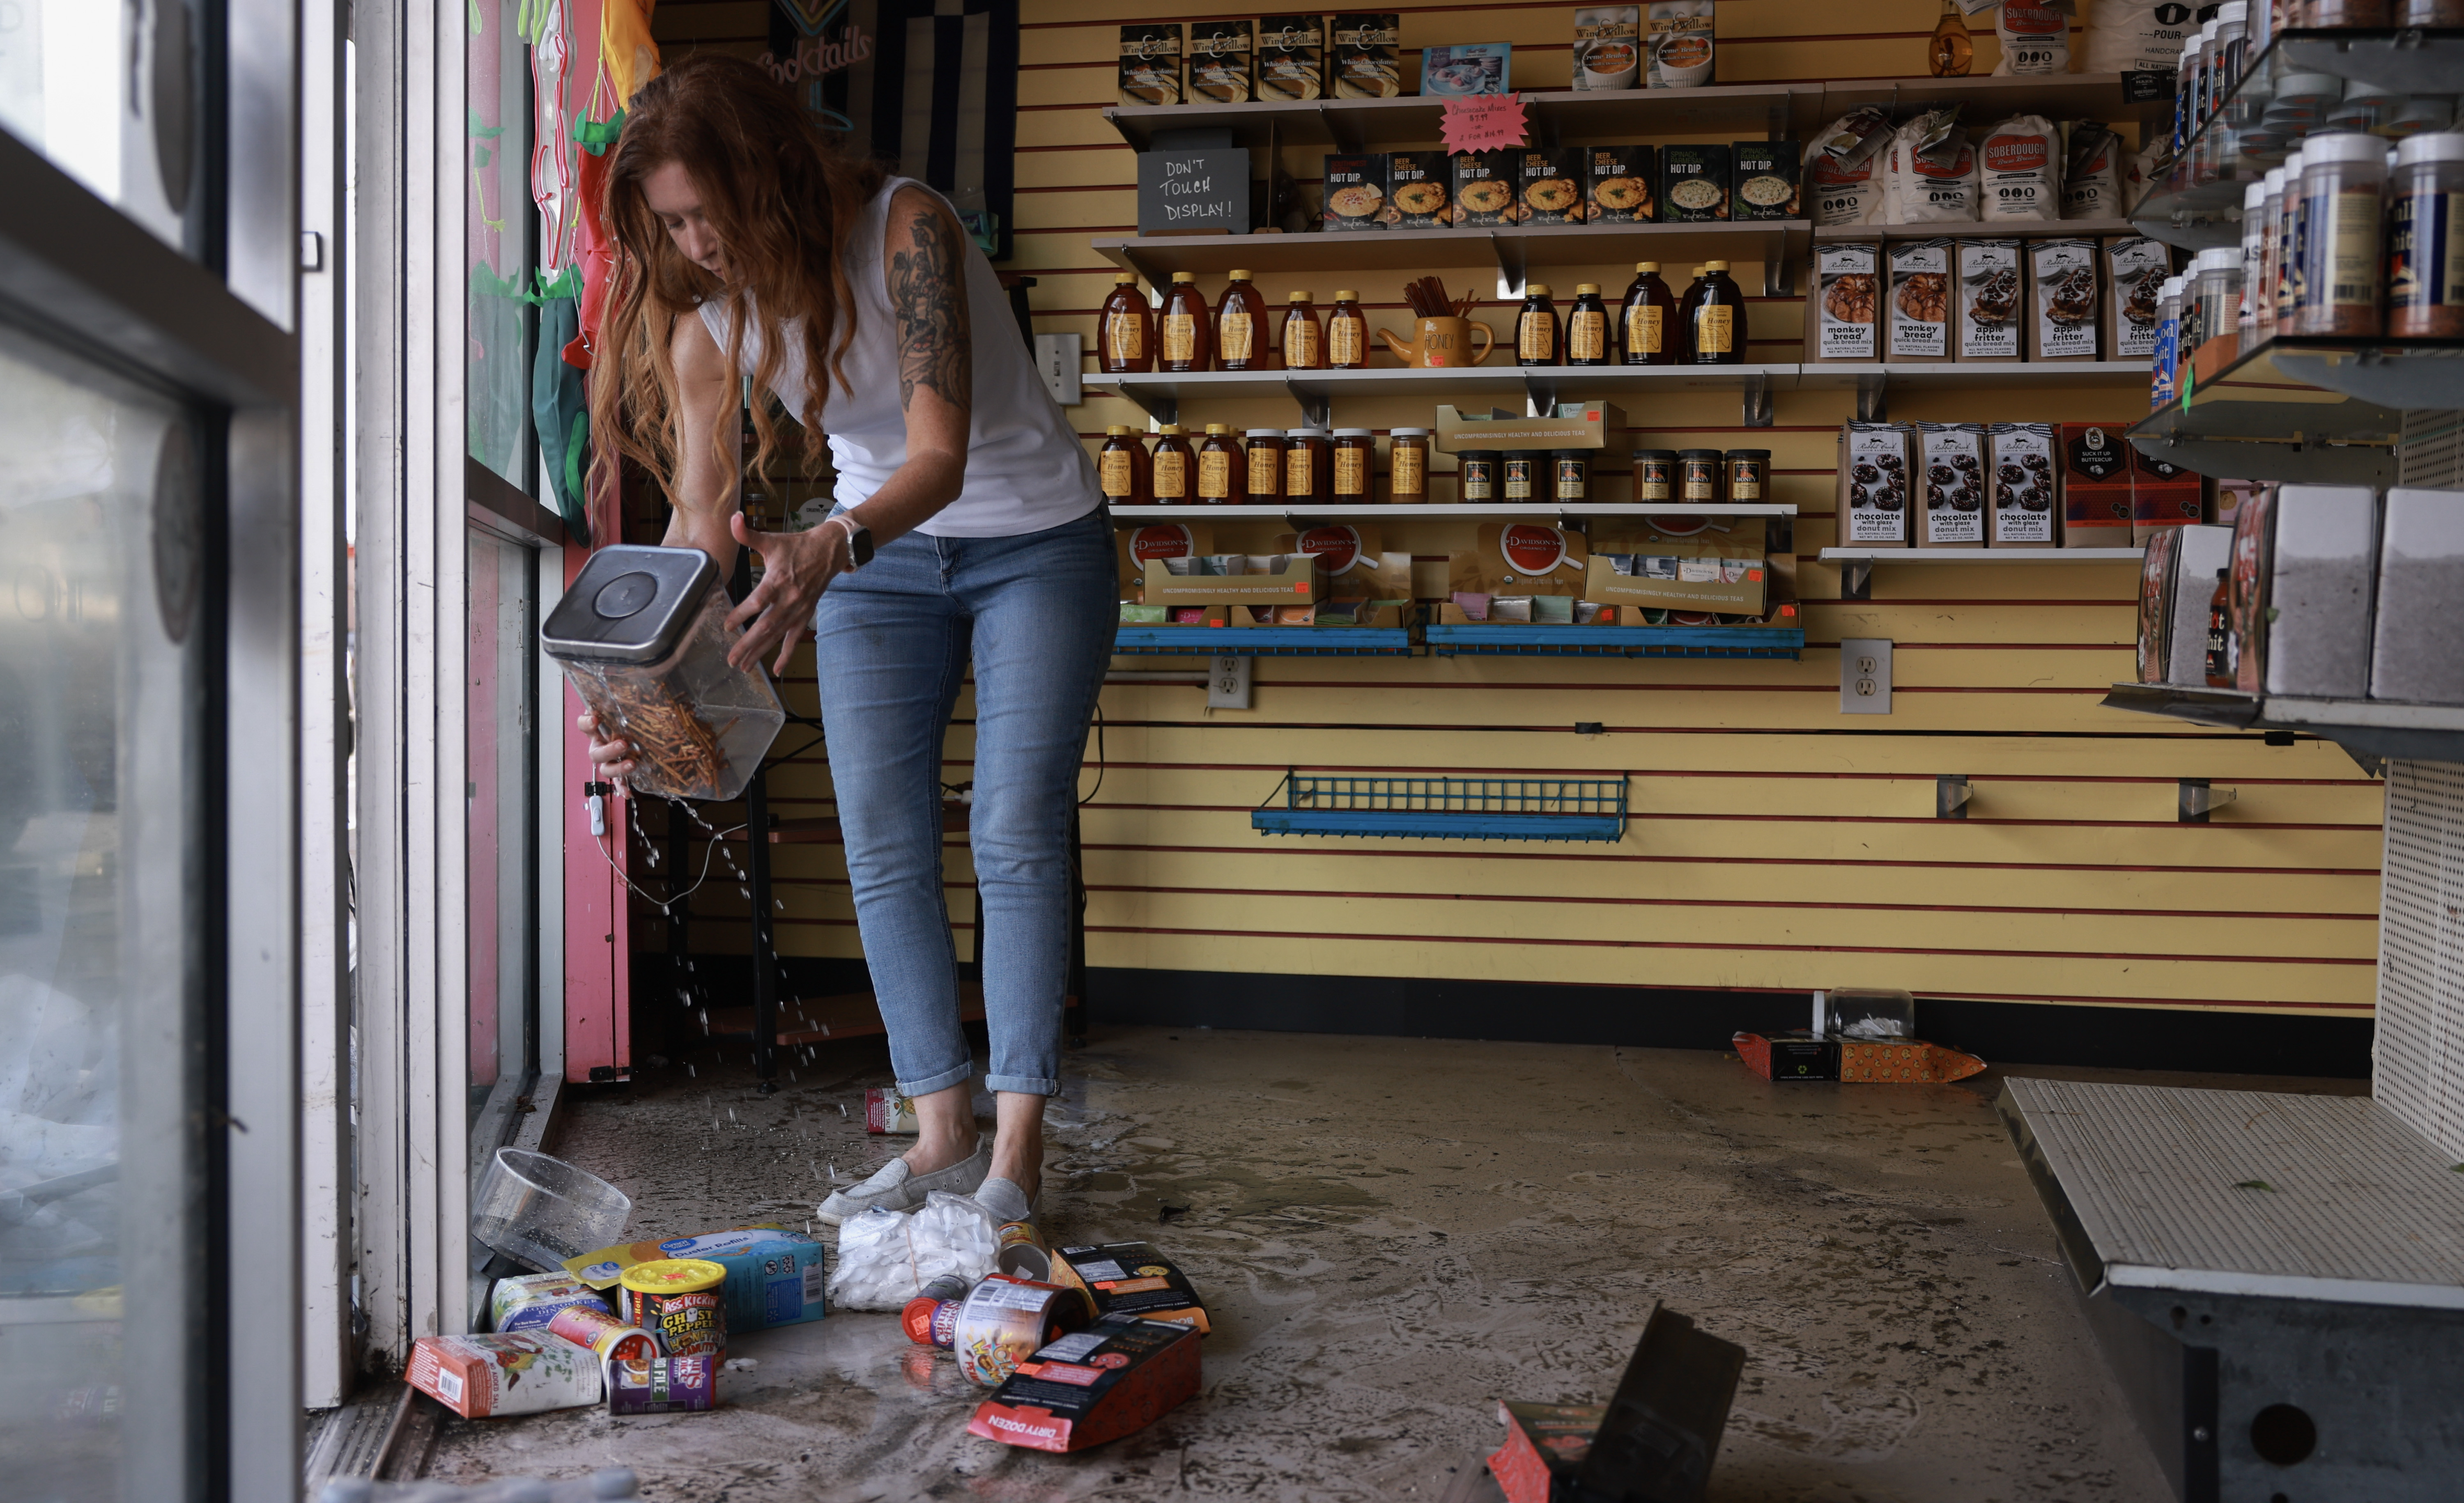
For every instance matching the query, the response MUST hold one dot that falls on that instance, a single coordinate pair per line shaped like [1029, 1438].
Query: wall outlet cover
[1865, 675]
[1057, 359]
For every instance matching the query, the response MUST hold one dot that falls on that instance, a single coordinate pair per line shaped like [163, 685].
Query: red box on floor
[1119, 1375]
[1800, 1057]
[1545, 1445]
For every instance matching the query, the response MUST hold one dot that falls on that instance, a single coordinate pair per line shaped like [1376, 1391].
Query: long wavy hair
[783, 200]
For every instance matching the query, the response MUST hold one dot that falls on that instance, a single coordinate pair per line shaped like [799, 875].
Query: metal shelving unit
[1438, 512]
[1493, 639]
[1448, 808]
[2380, 728]
[1161, 393]
[1856, 564]
[2253, 418]
[1984, 229]
[1510, 251]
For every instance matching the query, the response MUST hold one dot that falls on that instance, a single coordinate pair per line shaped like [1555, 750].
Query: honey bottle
[1650, 312]
[1240, 323]
[1172, 468]
[1121, 469]
[1587, 327]
[1347, 333]
[1719, 323]
[1186, 344]
[1125, 329]
[1535, 329]
[1304, 341]
[1221, 466]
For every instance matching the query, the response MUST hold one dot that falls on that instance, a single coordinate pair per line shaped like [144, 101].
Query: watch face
[860, 544]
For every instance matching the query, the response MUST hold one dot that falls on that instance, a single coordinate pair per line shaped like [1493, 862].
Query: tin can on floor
[1021, 1250]
[609, 1338]
[678, 1300]
[663, 1385]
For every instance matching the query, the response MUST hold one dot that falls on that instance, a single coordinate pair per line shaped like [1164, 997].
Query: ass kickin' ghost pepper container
[678, 1300]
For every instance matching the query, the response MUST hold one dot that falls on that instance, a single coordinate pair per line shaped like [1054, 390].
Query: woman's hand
[795, 568]
[612, 758]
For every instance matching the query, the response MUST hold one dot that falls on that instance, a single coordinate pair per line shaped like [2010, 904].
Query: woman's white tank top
[1026, 470]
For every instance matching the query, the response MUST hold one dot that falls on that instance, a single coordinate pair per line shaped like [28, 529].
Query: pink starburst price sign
[1485, 123]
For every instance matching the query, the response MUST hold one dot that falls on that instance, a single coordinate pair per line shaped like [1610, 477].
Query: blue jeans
[1037, 615]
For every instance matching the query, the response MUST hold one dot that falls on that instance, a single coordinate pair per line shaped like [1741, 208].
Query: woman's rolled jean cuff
[1023, 1086]
[911, 1089]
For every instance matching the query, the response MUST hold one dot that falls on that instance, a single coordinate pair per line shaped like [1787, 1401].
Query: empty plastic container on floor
[643, 635]
[1865, 1012]
[539, 1210]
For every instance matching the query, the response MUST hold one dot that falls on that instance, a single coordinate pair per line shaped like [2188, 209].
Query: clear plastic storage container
[539, 1210]
[643, 637]
[1865, 1012]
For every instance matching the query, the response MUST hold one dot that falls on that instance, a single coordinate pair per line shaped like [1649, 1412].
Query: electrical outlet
[1227, 686]
[1866, 676]
[1057, 362]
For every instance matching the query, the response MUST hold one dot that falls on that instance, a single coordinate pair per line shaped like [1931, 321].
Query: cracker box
[489, 1377]
[1876, 462]
[2135, 270]
[2064, 299]
[1917, 312]
[1765, 184]
[1952, 484]
[1150, 63]
[1355, 192]
[1987, 293]
[2163, 496]
[774, 1277]
[1365, 65]
[1130, 1278]
[1843, 318]
[1117, 1376]
[1420, 189]
[2024, 486]
[1291, 58]
[1548, 185]
[1483, 188]
[1220, 62]
[1618, 183]
[1694, 183]
[2096, 486]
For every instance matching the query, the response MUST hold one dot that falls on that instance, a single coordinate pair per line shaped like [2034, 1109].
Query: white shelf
[1406, 382]
[1830, 376]
[1434, 511]
[1979, 230]
[1982, 556]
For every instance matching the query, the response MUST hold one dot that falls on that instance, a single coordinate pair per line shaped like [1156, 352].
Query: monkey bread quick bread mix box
[1845, 320]
[1920, 303]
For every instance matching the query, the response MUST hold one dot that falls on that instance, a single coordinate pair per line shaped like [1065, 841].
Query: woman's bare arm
[924, 266]
[706, 478]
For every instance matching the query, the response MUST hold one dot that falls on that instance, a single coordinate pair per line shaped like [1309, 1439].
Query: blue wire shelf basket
[1263, 641]
[1615, 641]
[1448, 808]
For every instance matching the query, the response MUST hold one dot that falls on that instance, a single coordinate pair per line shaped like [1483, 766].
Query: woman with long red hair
[967, 528]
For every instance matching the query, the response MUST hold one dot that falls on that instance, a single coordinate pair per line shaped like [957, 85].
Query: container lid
[1536, 289]
[672, 1275]
[2360, 89]
[2173, 287]
[1655, 453]
[1698, 453]
[2218, 258]
[2274, 182]
[1170, 429]
[1183, 276]
[1308, 433]
[2191, 43]
[1580, 288]
[1125, 278]
[1215, 429]
[629, 604]
[2208, 28]
[2233, 11]
[1653, 267]
[1259, 433]
[1347, 294]
[1479, 453]
[1749, 453]
[1298, 297]
[2341, 148]
[1367, 433]
[2308, 88]
[1237, 274]
[1565, 454]
[1116, 430]
[1715, 266]
[1409, 432]
[2443, 145]
[2252, 197]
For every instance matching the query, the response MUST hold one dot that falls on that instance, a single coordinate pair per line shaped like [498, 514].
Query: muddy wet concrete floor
[1390, 1234]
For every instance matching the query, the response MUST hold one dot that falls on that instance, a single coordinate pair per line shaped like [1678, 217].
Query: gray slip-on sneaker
[897, 1187]
[1005, 1199]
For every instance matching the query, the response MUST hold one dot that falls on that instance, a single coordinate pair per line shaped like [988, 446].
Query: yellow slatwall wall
[1775, 843]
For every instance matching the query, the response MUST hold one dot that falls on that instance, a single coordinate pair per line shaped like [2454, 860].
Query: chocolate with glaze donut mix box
[1877, 479]
[2024, 486]
[1953, 484]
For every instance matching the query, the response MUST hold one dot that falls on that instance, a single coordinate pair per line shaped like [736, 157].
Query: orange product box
[1119, 1375]
[1130, 1278]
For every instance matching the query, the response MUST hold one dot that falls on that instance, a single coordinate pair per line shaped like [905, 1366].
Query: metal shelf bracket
[1757, 401]
[1317, 408]
[1873, 402]
[1857, 579]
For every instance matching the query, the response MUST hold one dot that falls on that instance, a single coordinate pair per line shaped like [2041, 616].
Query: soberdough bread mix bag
[2036, 37]
[1843, 168]
[1931, 174]
[2019, 170]
[1520, 558]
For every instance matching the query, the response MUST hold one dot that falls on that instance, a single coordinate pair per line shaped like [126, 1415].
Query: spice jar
[2253, 255]
[1655, 474]
[1407, 459]
[1571, 476]
[2343, 177]
[1309, 465]
[2260, 293]
[1521, 474]
[1265, 470]
[2329, 14]
[642, 634]
[1355, 463]
[1221, 469]
[1476, 476]
[1749, 473]
[2218, 291]
[1171, 466]
[1698, 476]
[2426, 238]
[1121, 469]
[2288, 249]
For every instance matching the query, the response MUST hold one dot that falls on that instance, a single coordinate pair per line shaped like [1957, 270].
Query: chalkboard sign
[1195, 191]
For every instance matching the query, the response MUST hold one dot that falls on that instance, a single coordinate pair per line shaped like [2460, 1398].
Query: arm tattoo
[931, 300]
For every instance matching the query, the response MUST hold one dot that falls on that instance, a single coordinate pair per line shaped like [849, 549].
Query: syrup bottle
[1239, 320]
[1719, 322]
[1650, 312]
[1587, 327]
[1121, 469]
[1185, 345]
[1125, 329]
[1174, 467]
[1536, 340]
[1304, 341]
[1347, 333]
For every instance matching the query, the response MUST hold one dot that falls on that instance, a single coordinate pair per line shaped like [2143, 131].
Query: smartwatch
[859, 540]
